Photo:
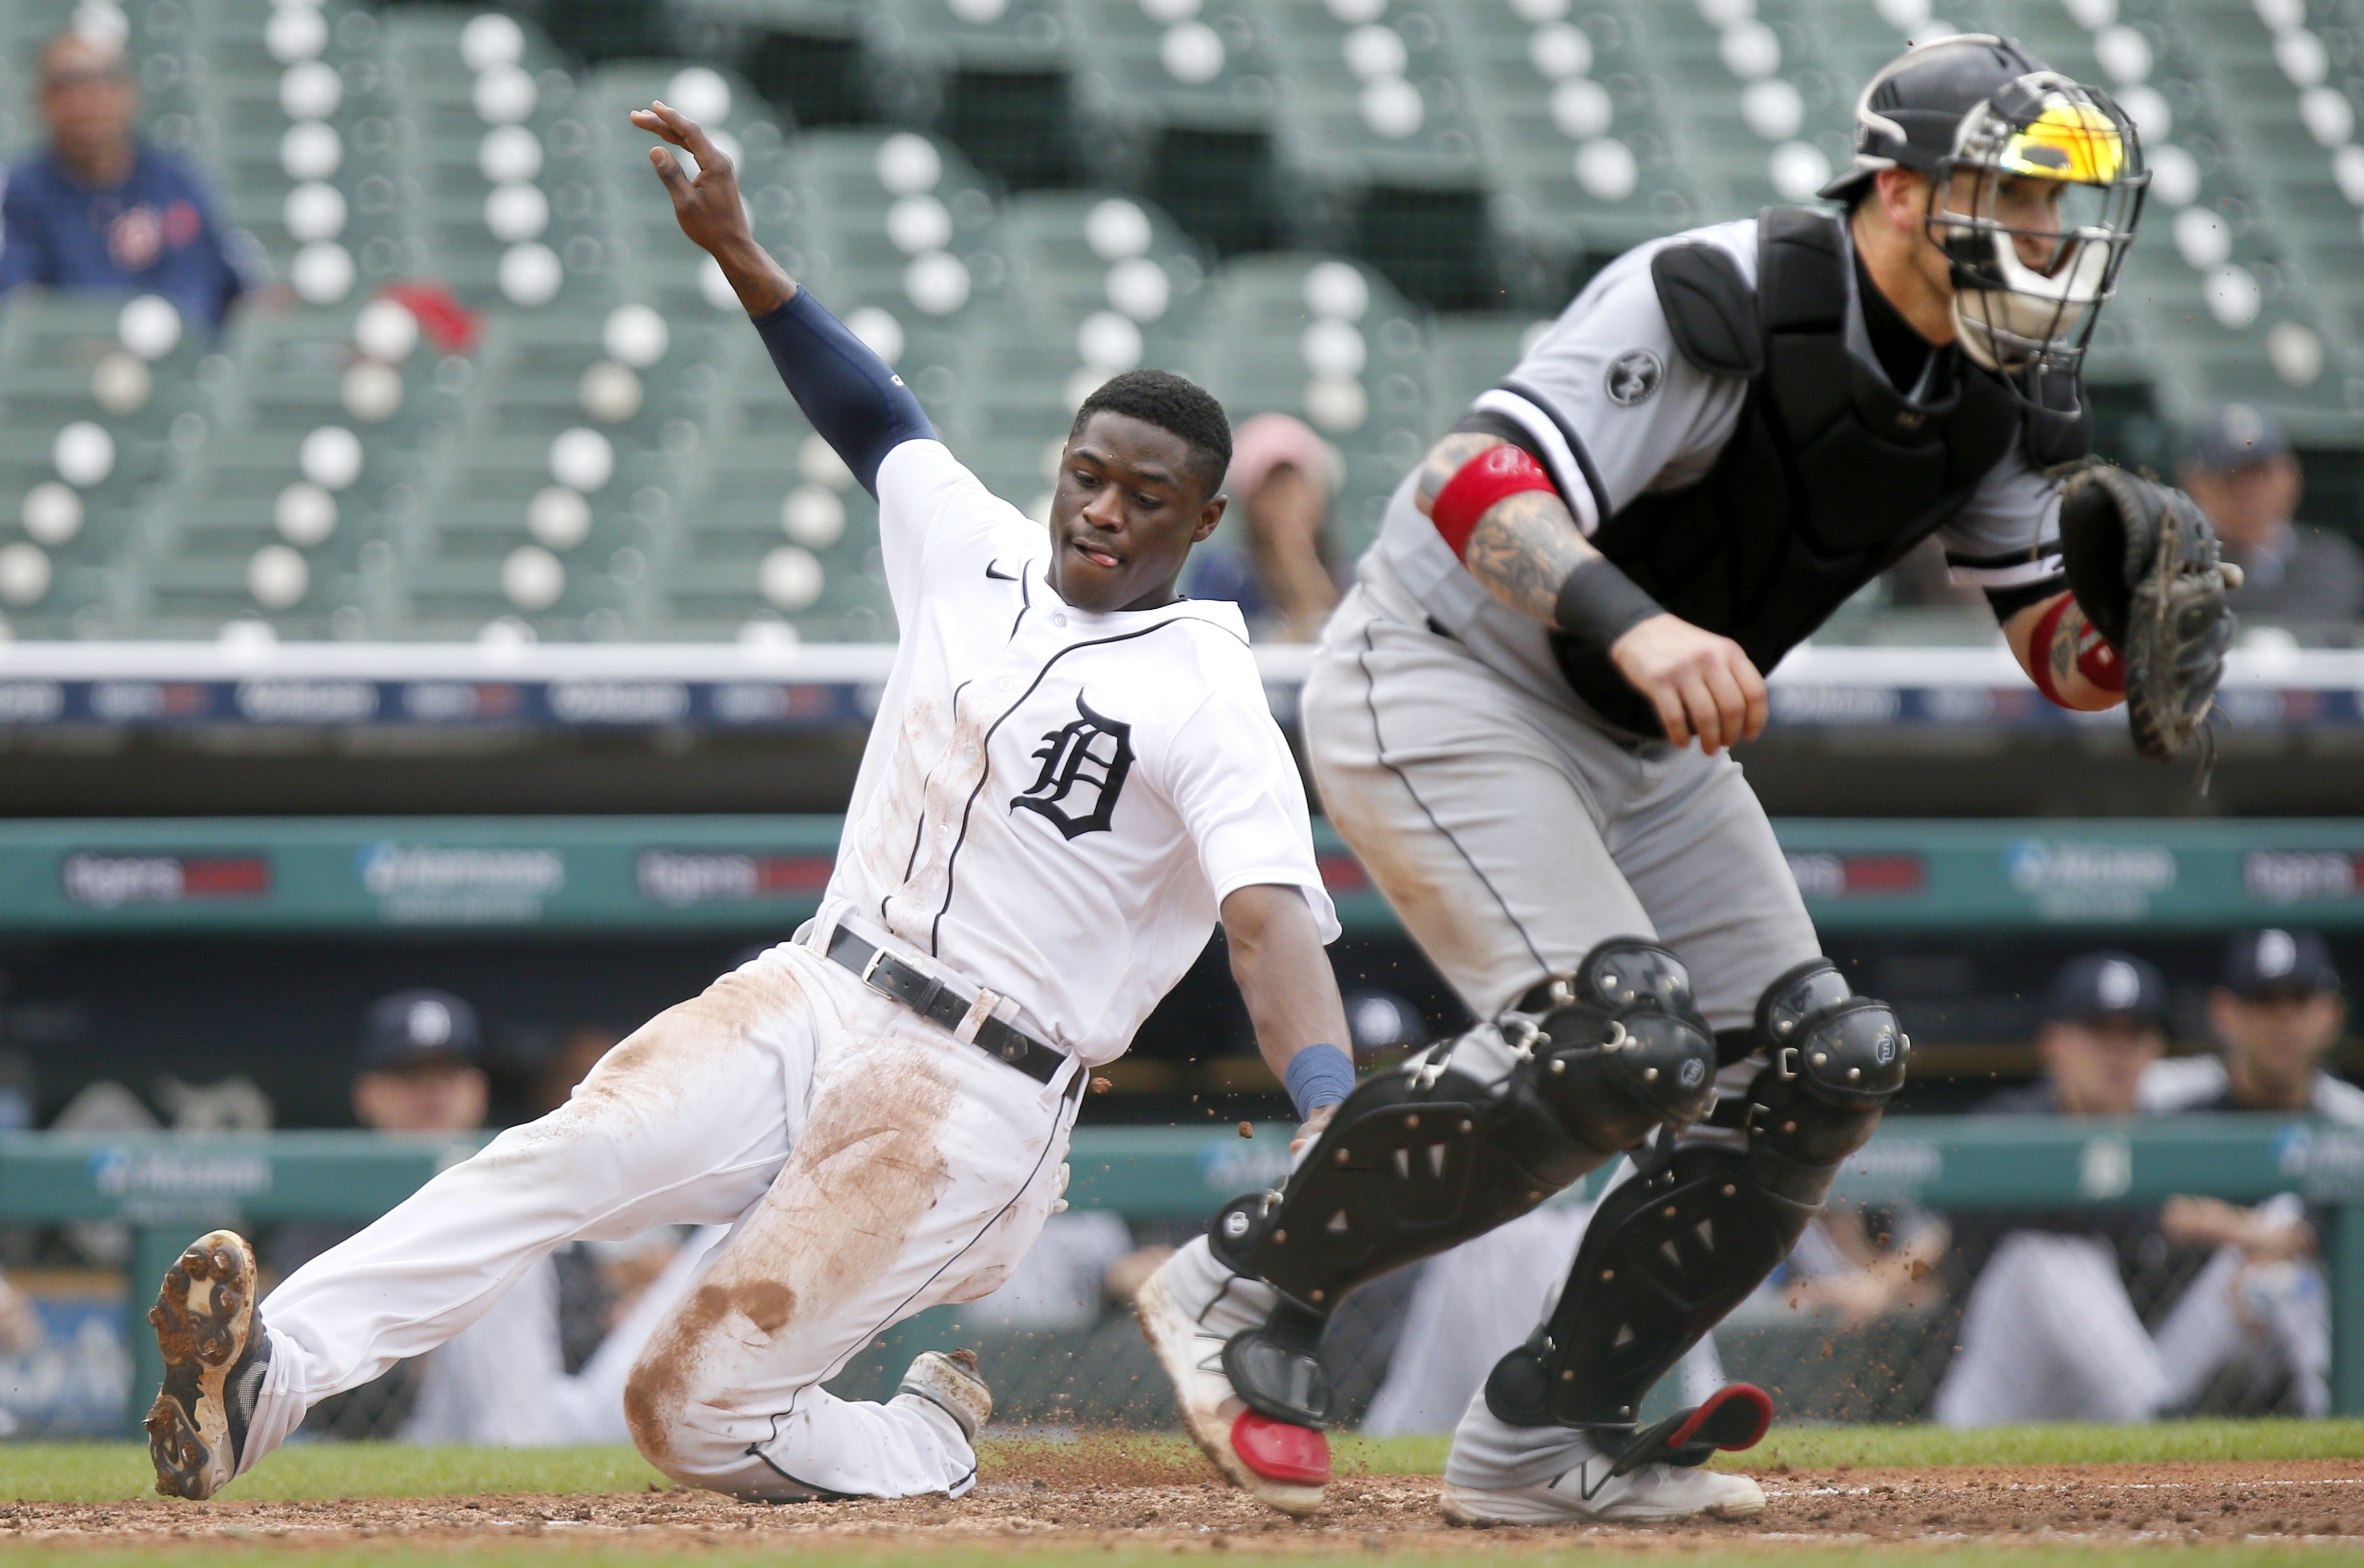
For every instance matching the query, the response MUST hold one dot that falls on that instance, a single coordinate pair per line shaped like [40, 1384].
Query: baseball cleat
[1656, 1474]
[1591, 1494]
[1282, 1465]
[948, 1380]
[214, 1355]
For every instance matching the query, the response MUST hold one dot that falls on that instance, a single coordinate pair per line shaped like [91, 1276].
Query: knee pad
[1833, 1062]
[1671, 1251]
[1472, 1134]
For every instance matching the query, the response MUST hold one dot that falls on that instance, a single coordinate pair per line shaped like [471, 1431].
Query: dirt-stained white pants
[871, 1166]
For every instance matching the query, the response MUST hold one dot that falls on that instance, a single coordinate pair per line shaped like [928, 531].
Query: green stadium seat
[1372, 103]
[1578, 112]
[773, 527]
[1330, 341]
[1206, 71]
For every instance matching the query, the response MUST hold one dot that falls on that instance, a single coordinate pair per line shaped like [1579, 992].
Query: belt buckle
[870, 967]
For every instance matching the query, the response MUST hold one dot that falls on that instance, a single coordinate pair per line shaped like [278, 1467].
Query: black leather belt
[932, 999]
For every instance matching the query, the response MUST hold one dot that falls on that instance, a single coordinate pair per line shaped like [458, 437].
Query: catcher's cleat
[1653, 1475]
[948, 1380]
[1281, 1465]
[214, 1355]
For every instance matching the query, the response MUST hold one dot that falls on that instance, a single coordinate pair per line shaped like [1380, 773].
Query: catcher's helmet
[1909, 114]
[2036, 183]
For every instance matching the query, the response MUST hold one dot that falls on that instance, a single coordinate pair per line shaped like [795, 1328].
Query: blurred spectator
[2242, 472]
[2051, 1330]
[578, 1051]
[423, 1065]
[2277, 1012]
[1279, 573]
[98, 208]
[420, 1070]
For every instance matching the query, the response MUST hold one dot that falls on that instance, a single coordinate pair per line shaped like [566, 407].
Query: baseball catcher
[1726, 435]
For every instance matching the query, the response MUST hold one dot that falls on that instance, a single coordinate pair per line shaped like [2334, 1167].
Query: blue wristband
[1319, 1076]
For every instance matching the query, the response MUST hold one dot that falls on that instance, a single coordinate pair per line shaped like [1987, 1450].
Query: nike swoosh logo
[997, 576]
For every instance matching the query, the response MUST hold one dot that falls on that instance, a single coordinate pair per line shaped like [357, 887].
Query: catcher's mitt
[2142, 562]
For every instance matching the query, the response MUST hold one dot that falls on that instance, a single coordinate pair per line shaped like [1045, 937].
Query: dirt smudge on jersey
[888, 827]
[945, 802]
[870, 1163]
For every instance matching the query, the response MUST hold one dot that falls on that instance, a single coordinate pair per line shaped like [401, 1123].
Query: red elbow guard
[2096, 659]
[1492, 474]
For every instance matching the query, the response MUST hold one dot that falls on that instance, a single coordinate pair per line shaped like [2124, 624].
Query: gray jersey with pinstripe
[1607, 374]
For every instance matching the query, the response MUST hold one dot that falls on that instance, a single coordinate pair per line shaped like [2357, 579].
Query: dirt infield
[1102, 1496]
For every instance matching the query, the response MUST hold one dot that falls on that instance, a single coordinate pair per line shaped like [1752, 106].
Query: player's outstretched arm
[711, 211]
[857, 404]
[1528, 551]
[1285, 977]
[2062, 667]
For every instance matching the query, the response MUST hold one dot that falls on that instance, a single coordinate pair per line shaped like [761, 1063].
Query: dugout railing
[168, 1188]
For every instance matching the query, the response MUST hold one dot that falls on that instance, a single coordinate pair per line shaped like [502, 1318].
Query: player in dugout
[2050, 1329]
[1073, 776]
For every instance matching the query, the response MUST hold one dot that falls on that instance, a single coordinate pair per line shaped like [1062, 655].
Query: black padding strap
[1666, 1254]
[1710, 309]
[1734, 1417]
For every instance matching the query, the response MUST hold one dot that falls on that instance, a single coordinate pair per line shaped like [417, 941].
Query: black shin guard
[1672, 1250]
[1476, 1134]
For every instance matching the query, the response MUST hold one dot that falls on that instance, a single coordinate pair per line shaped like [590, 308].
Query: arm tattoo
[1445, 460]
[2063, 651]
[1523, 549]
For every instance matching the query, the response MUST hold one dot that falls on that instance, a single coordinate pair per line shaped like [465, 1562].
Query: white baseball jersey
[1054, 803]
[1664, 438]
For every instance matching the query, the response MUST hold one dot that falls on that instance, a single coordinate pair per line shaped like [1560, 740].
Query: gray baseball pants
[1512, 836]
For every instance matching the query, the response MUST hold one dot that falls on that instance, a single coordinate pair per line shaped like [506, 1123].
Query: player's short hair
[1171, 403]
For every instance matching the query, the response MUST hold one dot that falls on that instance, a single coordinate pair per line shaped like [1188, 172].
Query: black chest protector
[1831, 475]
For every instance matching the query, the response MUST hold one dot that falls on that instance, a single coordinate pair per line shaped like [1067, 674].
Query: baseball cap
[2104, 985]
[411, 1027]
[2274, 962]
[2235, 435]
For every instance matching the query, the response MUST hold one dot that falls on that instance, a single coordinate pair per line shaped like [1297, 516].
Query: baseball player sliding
[1726, 435]
[1073, 775]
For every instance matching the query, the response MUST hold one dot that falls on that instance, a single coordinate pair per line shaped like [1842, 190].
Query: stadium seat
[1332, 342]
[506, 160]
[1586, 163]
[658, 265]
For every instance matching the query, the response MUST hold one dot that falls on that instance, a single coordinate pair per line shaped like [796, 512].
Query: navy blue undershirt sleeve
[859, 406]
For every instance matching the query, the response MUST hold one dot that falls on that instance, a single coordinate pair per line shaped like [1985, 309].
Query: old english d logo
[1084, 767]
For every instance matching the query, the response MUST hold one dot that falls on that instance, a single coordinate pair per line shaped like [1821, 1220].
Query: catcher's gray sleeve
[2006, 539]
[1613, 407]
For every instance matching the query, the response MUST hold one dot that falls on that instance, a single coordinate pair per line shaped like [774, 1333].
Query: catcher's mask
[2035, 182]
[2035, 209]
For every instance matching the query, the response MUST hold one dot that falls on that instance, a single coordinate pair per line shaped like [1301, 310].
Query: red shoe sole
[1298, 1456]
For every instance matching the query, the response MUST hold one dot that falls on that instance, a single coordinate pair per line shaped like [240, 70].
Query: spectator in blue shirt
[98, 208]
